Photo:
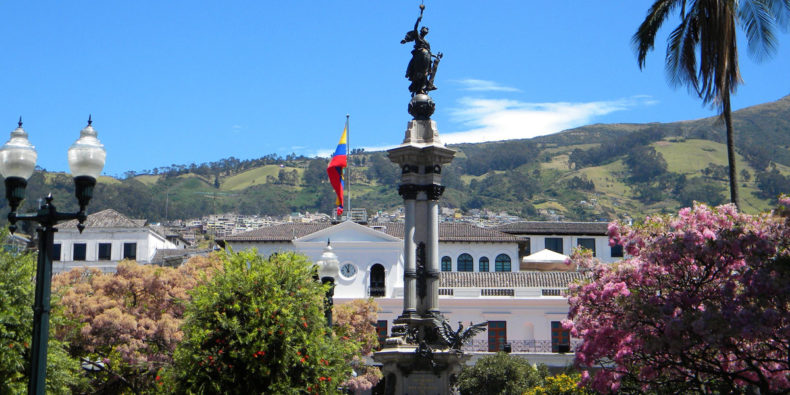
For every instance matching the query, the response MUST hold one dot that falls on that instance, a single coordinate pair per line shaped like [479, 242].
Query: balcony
[377, 292]
[523, 346]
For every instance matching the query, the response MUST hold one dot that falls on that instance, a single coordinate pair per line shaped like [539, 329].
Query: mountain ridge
[593, 172]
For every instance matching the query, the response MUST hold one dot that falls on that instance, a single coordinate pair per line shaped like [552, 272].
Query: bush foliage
[259, 327]
[500, 373]
[17, 286]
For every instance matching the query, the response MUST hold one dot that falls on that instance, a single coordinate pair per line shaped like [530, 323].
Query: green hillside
[596, 172]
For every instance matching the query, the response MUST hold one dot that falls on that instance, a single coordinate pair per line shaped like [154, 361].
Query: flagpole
[348, 169]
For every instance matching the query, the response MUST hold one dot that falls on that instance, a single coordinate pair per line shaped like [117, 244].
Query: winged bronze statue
[455, 339]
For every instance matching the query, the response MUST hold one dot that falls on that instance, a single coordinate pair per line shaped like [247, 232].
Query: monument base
[413, 370]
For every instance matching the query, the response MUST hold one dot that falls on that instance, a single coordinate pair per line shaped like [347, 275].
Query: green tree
[702, 52]
[500, 373]
[382, 170]
[700, 190]
[259, 327]
[561, 384]
[315, 174]
[17, 276]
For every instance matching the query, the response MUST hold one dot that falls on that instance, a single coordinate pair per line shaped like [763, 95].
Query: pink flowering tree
[355, 320]
[702, 304]
[127, 324]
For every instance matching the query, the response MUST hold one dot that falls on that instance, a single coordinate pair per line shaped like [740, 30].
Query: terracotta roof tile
[282, 232]
[554, 228]
[108, 218]
[447, 232]
[508, 279]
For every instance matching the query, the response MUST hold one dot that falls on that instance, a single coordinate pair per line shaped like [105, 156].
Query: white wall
[602, 249]
[364, 254]
[147, 243]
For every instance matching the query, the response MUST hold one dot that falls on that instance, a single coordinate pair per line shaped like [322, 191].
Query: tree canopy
[700, 305]
[259, 327]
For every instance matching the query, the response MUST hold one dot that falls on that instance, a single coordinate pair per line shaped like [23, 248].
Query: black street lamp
[328, 267]
[17, 162]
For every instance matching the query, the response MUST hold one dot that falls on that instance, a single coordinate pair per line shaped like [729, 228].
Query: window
[560, 338]
[483, 265]
[554, 244]
[617, 251]
[525, 247]
[466, 263]
[377, 285]
[497, 335]
[79, 251]
[447, 264]
[105, 250]
[129, 250]
[586, 243]
[56, 252]
[381, 331]
[502, 263]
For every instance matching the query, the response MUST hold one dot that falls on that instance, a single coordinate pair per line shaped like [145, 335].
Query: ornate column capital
[408, 191]
[434, 191]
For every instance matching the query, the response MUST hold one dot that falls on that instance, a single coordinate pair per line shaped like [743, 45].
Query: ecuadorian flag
[335, 169]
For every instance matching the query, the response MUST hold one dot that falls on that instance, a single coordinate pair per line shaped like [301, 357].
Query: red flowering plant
[259, 327]
[702, 304]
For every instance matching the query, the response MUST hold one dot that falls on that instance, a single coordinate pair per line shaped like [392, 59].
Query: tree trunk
[727, 113]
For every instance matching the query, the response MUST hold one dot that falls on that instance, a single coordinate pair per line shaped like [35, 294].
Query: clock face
[348, 270]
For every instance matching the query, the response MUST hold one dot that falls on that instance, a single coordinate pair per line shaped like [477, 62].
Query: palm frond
[681, 57]
[645, 37]
[758, 18]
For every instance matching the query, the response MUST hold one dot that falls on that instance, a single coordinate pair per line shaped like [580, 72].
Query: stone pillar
[432, 253]
[409, 248]
[421, 157]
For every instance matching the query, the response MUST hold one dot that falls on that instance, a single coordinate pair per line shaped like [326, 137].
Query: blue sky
[178, 82]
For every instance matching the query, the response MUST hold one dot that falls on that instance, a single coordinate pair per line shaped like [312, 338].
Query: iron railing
[542, 346]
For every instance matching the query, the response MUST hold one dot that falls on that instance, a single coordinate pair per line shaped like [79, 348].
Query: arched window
[483, 264]
[466, 263]
[447, 264]
[377, 285]
[502, 263]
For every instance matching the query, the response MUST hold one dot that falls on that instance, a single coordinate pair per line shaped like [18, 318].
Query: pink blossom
[698, 286]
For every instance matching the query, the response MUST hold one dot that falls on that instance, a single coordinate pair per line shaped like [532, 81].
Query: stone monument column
[423, 355]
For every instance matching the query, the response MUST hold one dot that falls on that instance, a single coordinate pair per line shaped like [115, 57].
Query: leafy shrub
[259, 327]
[499, 373]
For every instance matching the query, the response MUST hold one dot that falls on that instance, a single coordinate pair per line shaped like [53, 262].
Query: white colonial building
[109, 237]
[482, 276]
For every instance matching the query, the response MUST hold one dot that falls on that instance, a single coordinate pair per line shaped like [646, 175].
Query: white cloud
[502, 119]
[471, 84]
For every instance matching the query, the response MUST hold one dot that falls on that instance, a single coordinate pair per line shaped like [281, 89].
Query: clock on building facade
[348, 270]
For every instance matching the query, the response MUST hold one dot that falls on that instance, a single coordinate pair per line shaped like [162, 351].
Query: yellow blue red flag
[335, 169]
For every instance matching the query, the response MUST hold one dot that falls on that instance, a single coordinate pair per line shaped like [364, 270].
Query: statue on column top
[423, 64]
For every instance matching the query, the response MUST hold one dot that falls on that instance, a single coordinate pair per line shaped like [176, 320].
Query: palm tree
[702, 51]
